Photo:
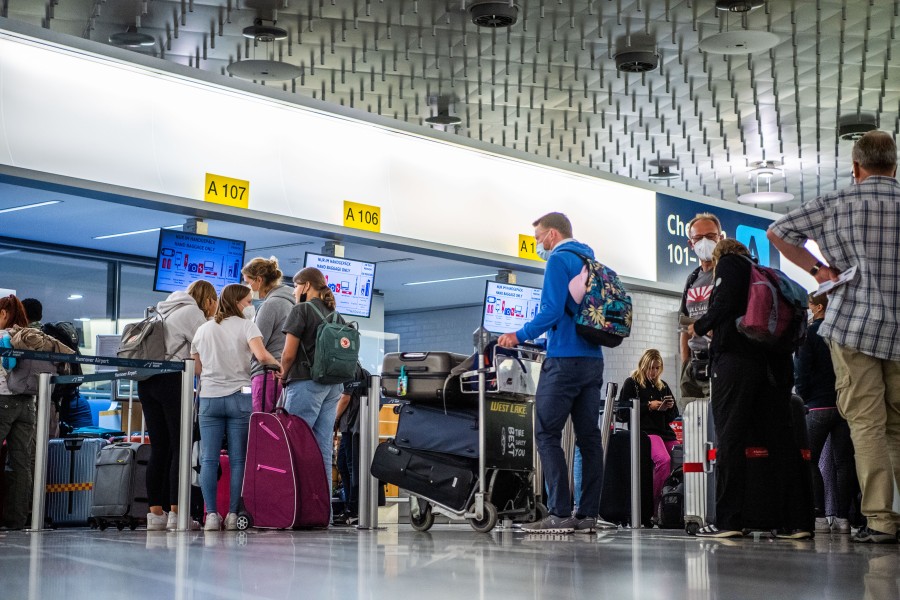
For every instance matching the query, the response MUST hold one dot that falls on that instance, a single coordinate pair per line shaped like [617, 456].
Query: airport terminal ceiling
[710, 91]
[75, 221]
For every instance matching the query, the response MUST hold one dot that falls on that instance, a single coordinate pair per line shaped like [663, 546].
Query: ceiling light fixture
[852, 127]
[27, 206]
[664, 173]
[75, 297]
[264, 69]
[115, 235]
[494, 14]
[450, 279]
[738, 6]
[132, 38]
[765, 169]
[443, 116]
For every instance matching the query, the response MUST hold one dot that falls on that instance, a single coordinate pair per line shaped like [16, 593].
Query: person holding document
[860, 227]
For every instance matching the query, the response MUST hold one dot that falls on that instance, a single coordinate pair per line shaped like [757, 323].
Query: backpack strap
[325, 319]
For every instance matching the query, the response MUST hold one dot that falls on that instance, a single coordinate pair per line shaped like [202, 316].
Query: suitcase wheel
[540, 513]
[692, 528]
[102, 525]
[488, 519]
[425, 519]
[132, 524]
[92, 523]
[244, 521]
[120, 525]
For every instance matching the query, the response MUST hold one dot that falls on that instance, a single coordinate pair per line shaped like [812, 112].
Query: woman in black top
[657, 411]
[761, 480]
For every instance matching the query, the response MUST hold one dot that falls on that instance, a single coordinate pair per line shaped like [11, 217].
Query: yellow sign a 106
[362, 216]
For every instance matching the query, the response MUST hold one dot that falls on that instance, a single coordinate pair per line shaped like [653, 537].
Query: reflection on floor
[447, 562]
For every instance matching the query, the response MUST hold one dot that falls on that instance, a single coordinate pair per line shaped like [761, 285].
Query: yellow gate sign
[528, 247]
[227, 190]
[362, 216]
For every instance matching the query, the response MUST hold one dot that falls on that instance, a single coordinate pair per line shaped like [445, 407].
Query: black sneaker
[551, 524]
[711, 531]
[870, 536]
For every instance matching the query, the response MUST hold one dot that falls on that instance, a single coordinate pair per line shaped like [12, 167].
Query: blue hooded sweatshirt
[562, 340]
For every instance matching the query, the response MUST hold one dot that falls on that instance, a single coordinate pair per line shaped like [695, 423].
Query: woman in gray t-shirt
[315, 403]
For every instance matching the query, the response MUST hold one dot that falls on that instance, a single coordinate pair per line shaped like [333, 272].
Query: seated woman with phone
[658, 410]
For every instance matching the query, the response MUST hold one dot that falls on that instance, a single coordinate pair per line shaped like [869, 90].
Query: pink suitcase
[284, 482]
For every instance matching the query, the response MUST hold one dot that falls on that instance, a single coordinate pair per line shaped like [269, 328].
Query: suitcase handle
[414, 355]
[410, 369]
[709, 457]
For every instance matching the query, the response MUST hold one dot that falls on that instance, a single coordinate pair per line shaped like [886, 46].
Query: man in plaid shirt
[860, 226]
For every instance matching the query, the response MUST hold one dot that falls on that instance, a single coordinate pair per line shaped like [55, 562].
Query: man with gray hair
[860, 227]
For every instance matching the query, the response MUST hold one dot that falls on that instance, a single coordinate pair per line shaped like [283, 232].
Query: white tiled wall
[654, 326]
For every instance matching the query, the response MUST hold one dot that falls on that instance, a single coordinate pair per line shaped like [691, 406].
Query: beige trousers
[869, 399]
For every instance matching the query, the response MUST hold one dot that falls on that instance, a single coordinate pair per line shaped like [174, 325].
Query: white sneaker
[173, 523]
[156, 522]
[840, 525]
[231, 522]
[213, 522]
[822, 525]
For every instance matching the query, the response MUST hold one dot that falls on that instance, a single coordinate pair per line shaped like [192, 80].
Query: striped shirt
[860, 226]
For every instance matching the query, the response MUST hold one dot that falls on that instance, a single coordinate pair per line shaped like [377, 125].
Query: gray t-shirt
[270, 319]
[303, 323]
[224, 350]
[695, 303]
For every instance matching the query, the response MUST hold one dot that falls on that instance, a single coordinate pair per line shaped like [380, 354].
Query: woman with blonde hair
[658, 410]
[222, 348]
[316, 403]
[264, 278]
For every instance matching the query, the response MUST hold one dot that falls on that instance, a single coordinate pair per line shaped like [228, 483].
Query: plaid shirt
[860, 226]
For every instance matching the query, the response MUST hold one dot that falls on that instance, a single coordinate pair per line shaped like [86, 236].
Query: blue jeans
[570, 386]
[316, 403]
[217, 415]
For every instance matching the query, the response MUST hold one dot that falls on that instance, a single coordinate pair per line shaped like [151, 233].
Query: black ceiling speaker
[738, 6]
[264, 33]
[494, 13]
[636, 54]
[852, 127]
[131, 38]
[443, 116]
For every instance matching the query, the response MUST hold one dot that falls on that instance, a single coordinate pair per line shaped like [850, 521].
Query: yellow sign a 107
[226, 190]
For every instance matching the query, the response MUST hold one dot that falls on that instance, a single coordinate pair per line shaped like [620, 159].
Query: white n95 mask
[704, 249]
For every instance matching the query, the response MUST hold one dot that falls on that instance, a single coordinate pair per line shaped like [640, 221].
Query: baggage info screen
[186, 257]
[508, 307]
[351, 282]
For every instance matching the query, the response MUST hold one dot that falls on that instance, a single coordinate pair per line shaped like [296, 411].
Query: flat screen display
[351, 281]
[183, 258]
[507, 307]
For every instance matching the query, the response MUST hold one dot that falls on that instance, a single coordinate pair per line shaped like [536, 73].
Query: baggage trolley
[503, 485]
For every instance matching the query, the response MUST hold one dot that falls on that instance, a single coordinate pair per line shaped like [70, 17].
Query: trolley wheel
[132, 524]
[120, 525]
[102, 524]
[488, 519]
[541, 512]
[244, 521]
[692, 528]
[425, 519]
[92, 523]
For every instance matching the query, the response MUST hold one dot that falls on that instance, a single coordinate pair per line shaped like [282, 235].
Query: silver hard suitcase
[699, 465]
[71, 466]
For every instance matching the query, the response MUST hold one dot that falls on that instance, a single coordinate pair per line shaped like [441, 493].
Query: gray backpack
[145, 340]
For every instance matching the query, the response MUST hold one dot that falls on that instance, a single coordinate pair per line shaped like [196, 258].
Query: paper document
[843, 278]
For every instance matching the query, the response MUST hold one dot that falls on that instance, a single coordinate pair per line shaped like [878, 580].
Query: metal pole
[185, 443]
[42, 439]
[368, 438]
[635, 437]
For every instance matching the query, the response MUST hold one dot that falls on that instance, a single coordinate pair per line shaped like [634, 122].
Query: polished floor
[451, 561]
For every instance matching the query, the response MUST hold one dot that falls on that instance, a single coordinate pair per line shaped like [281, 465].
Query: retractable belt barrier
[135, 368]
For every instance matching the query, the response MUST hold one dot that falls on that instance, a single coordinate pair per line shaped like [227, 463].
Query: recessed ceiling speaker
[263, 70]
[852, 127]
[738, 6]
[741, 41]
[443, 116]
[264, 33]
[664, 172]
[636, 54]
[494, 13]
[131, 38]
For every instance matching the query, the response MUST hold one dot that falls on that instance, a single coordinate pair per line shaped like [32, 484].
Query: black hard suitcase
[120, 490]
[615, 494]
[428, 377]
[440, 478]
[434, 429]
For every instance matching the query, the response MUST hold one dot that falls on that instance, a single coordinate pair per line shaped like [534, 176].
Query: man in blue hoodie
[570, 384]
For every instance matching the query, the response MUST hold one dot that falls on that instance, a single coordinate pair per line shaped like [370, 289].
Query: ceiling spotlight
[443, 116]
[494, 14]
[765, 169]
[664, 173]
[853, 127]
[738, 6]
[131, 38]
[742, 41]
[636, 53]
[264, 33]
[263, 69]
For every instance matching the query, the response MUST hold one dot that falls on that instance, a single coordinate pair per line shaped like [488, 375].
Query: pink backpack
[776, 308]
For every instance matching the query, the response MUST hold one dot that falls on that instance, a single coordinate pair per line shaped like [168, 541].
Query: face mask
[544, 254]
[704, 249]
[254, 295]
[250, 312]
[302, 298]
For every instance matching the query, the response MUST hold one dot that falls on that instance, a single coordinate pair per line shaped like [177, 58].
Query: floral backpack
[604, 306]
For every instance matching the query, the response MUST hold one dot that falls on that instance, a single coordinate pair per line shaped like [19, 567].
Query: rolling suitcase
[429, 428]
[284, 484]
[698, 469]
[615, 494]
[440, 478]
[71, 468]
[671, 503]
[120, 489]
[428, 378]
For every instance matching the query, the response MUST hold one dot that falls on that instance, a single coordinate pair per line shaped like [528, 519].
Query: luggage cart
[503, 485]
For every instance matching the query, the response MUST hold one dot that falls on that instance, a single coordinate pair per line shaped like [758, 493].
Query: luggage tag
[402, 382]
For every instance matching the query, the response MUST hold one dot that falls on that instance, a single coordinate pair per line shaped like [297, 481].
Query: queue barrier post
[42, 439]
[368, 434]
[186, 442]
